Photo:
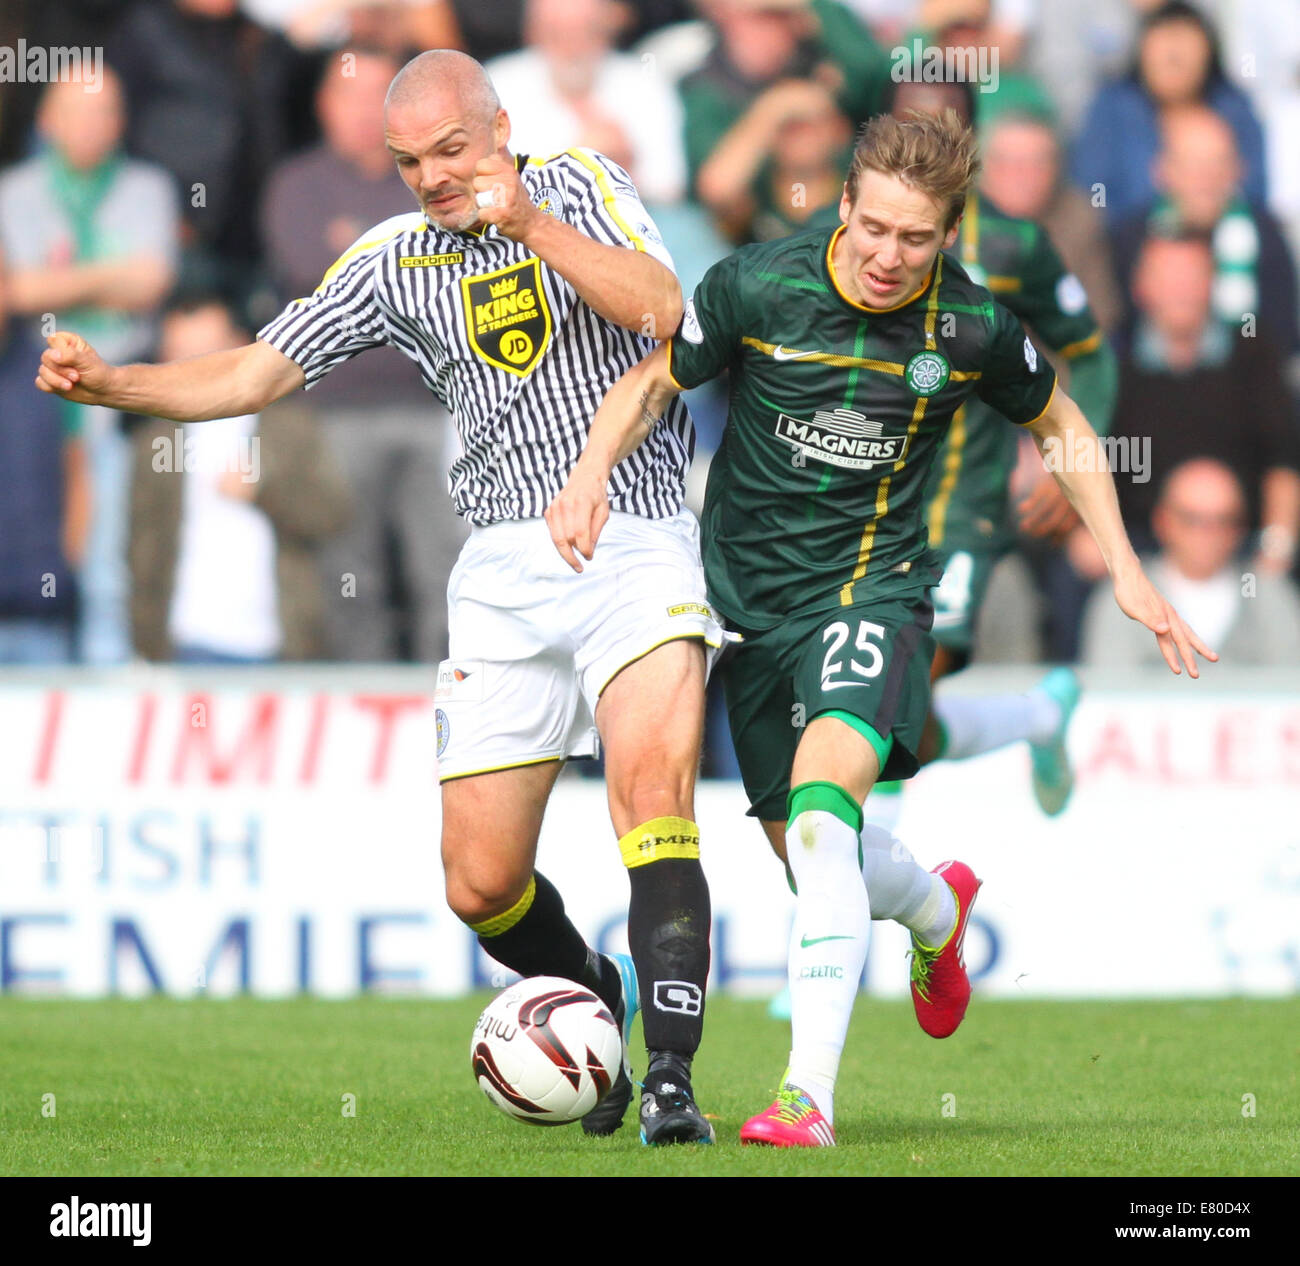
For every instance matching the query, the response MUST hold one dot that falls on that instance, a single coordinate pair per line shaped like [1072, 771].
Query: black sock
[668, 932]
[544, 943]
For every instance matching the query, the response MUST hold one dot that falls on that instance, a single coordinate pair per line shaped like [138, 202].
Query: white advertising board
[277, 832]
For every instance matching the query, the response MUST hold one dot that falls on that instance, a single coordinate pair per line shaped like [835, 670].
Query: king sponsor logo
[506, 316]
[841, 437]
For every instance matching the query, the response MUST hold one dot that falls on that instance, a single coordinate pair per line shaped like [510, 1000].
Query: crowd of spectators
[229, 151]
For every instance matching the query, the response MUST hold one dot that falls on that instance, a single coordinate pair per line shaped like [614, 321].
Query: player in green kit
[968, 504]
[845, 375]
[969, 515]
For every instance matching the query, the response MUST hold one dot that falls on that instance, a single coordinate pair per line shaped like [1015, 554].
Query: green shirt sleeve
[1016, 380]
[1094, 384]
[709, 336]
[1055, 305]
[1053, 301]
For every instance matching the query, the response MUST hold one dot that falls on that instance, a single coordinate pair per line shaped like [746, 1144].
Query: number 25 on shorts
[836, 673]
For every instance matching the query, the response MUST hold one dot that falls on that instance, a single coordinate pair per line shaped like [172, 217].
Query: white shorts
[533, 643]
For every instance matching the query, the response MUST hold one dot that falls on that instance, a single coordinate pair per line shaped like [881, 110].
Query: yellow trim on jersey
[867, 543]
[500, 769]
[606, 189]
[952, 464]
[668, 343]
[353, 251]
[843, 362]
[932, 308]
[1046, 407]
[970, 248]
[862, 307]
[504, 922]
[824, 358]
[660, 839]
[1081, 347]
[882, 504]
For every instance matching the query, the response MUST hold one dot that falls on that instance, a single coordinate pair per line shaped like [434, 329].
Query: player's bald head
[443, 74]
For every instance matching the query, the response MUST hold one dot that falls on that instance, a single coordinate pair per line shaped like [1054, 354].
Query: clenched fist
[71, 368]
[502, 198]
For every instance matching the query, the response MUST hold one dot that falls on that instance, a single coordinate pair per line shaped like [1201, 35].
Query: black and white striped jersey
[504, 340]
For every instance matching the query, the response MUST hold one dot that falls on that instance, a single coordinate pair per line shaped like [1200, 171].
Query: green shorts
[871, 660]
[967, 567]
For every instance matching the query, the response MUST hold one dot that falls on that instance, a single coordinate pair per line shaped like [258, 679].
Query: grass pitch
[165, 1087]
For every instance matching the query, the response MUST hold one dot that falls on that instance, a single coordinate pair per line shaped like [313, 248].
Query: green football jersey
[1017, 263]
[816, 496]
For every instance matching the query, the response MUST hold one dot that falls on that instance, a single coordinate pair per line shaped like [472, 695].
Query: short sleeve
[1054, 302]
[710, 333]
[611, 210]
[1016, 380]
[338, 320]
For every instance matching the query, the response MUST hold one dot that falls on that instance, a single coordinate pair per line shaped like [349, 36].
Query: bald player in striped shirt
[523, 288]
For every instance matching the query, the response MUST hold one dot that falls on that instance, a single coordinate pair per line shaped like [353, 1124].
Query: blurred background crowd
[234, 148]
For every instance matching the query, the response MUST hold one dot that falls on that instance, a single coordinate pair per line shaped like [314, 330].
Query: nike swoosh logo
[817, 940]
[782, 353]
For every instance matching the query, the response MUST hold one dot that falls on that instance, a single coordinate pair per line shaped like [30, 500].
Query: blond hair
[934, 153]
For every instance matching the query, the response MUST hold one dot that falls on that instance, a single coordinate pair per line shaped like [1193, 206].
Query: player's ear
[951, 236]
[500, 130]
[846, 206]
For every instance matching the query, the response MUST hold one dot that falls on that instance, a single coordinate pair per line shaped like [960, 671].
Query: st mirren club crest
[506, 316]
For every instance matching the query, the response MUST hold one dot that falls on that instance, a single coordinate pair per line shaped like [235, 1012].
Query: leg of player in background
[962, 726]
[490, 826]
[651, 722]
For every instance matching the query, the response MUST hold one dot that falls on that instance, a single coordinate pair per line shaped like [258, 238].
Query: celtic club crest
[926, 373]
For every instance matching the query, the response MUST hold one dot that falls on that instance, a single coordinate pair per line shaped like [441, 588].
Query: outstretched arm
[625, 418]
[1061, 433]
[222, 384]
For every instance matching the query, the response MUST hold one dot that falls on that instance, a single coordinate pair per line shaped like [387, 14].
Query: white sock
[899, 888]
[973, 725]
[828, 949]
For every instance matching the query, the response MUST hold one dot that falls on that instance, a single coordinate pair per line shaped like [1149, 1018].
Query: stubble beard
[466, 219]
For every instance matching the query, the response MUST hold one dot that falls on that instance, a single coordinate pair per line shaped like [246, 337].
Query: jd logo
[506, 316]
